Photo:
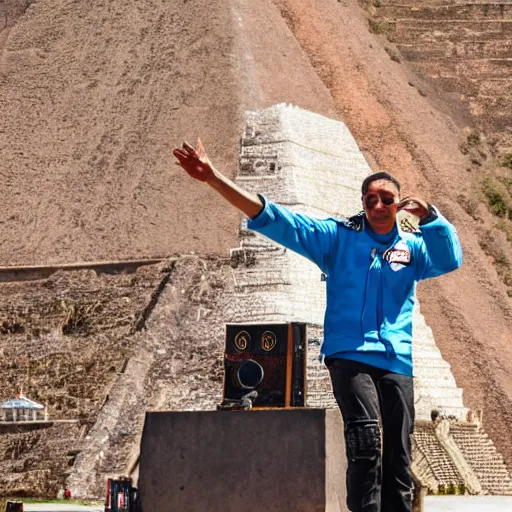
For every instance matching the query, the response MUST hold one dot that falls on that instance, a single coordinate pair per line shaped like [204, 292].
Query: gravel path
[64, 507]
[468, 503]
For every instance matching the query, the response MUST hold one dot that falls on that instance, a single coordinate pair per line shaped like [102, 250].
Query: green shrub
[507, 161]
[379, 26]
[506, 226]
[498, 203]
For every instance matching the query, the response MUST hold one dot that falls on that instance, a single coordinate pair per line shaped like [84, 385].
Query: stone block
[250, 461]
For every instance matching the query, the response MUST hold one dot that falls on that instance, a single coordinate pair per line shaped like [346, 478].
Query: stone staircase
[432, 463]
[481, 468]
[480, 453]
[434, 385]
[465, 47]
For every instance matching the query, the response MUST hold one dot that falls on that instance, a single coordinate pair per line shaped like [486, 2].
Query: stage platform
[245, 461]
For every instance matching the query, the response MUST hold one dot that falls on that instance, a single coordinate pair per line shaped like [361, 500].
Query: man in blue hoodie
[372, 269]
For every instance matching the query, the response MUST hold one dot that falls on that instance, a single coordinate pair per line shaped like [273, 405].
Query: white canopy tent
[22, 408]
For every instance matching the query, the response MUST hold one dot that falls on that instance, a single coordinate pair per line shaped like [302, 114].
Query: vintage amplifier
[267, 362]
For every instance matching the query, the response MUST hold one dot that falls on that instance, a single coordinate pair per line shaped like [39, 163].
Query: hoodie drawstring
[372, 318]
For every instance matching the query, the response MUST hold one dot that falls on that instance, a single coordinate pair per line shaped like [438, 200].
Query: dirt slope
[95, 93]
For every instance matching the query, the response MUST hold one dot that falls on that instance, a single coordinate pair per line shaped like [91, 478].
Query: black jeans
[378, 411]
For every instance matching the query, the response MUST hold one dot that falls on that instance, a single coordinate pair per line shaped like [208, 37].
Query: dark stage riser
[243, 461]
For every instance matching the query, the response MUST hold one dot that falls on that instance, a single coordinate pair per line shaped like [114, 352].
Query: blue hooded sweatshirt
[371, 278]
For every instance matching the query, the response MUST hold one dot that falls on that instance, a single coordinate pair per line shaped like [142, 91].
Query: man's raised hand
[414, 205]
[195, 161]
[197, 164]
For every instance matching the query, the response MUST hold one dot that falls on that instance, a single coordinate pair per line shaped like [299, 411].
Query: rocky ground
[36, 459]
[64, 340]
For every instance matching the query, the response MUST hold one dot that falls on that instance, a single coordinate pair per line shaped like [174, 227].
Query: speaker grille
[280, 351]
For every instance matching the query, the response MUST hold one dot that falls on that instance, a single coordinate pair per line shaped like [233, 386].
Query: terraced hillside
[466, 48]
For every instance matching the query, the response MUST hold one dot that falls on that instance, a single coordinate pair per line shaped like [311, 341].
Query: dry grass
[498, 197]
[381, 27]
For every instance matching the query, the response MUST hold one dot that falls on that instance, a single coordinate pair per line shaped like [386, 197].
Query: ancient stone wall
[36, 458]
[66, 339]
[457, 457]
[481, 455]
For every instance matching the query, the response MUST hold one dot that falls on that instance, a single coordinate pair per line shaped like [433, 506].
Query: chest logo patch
[398, 256]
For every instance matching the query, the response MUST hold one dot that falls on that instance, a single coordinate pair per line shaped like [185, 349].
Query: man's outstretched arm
[312, 238]
[199, 167]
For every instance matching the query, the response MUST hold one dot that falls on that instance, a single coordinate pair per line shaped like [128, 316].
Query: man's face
[380, 203]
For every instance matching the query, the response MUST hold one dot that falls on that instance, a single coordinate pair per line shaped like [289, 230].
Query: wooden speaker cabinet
[269, 359]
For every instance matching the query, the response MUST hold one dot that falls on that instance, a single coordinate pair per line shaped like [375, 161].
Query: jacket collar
[356, 222]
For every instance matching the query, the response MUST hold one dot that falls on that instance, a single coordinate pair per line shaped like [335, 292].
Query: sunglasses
[371, 202]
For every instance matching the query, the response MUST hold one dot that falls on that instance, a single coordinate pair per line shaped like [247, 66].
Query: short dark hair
[382, 175]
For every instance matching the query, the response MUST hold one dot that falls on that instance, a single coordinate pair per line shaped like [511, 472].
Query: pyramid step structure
[313, 165]
[457, 51]
[449, 11]
[431, 462]
[480, 463]
[438, 3]
[480, 453]
[464, 70]
[411, 30]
